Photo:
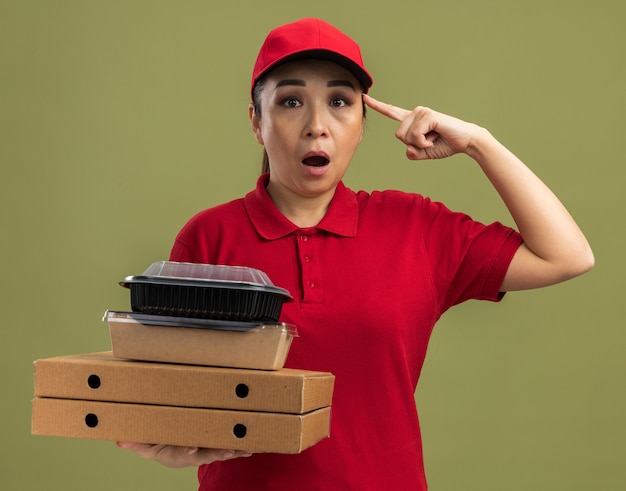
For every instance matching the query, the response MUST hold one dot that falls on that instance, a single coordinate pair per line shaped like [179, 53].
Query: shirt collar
[340, 219]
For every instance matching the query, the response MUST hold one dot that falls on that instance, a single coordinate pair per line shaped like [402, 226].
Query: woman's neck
[302, 211]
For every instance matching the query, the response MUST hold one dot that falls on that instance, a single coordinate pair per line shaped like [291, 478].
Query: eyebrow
[291, 81]
[340, 83]
[302, 83]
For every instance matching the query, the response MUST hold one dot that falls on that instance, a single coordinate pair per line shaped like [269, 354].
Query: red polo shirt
[369, 283]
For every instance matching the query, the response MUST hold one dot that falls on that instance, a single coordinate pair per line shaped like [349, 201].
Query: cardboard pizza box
[103, 377]
[209, 428]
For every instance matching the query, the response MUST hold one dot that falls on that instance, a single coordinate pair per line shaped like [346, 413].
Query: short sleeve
[467, 258]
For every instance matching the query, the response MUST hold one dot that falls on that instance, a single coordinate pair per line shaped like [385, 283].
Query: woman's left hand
[426, 133]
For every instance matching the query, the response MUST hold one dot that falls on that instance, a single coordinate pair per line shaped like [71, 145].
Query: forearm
[554, 248]
[558, 248]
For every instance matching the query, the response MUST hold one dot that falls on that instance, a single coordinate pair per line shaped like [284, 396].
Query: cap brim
[359, 73]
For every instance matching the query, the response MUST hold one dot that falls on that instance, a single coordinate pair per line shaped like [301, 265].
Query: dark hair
[256, 105]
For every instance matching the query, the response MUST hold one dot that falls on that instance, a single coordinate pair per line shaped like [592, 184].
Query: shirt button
[304, 238]
[307, 259]
[311, 285]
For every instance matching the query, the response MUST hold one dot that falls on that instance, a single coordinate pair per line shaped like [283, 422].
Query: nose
[316, 123]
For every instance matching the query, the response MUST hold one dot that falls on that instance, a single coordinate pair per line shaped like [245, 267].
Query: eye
[338, 102]
[291, 102]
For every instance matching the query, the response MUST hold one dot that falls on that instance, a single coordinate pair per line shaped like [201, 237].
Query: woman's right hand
[173, 456]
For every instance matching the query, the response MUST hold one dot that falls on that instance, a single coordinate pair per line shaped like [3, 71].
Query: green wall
[120, 119]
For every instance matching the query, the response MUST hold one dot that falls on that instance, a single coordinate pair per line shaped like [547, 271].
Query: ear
[255, 122]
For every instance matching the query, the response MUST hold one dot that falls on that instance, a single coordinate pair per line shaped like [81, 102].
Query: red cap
[310, 38]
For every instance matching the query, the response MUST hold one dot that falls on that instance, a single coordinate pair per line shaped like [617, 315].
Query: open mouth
[316, 161]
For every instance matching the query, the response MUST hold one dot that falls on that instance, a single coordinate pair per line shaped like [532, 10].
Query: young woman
[371, 273]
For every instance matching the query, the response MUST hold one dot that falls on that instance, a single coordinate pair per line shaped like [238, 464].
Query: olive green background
[121, 119]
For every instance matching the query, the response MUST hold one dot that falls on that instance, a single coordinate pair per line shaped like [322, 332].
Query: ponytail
[265, 163]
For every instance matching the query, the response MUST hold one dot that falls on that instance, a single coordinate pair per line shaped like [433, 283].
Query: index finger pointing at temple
[385, 109]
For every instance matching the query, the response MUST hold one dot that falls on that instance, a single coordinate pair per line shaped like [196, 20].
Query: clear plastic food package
[207, 291]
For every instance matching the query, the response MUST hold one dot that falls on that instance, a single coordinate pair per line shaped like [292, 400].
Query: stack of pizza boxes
[199, 361]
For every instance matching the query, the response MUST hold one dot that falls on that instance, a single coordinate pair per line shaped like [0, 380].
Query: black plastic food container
[206, 291]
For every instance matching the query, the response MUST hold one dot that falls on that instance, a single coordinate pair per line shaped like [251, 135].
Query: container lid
[207, 275]
[195, 323]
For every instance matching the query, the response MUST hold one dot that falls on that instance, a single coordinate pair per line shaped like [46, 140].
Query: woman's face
[311, 124]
